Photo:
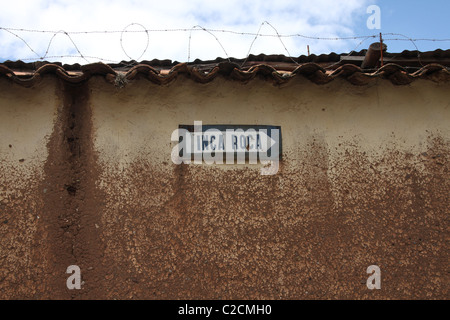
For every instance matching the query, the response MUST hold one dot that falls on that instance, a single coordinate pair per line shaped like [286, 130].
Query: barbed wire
[121, 40]
[411, 40]
[218, 30]
[212, 32]
[200, 27]
[258, 34]
[71, 40]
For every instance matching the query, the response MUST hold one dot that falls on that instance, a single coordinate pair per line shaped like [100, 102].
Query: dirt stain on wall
[72, 204]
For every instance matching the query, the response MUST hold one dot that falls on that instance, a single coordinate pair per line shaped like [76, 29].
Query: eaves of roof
[400, 69]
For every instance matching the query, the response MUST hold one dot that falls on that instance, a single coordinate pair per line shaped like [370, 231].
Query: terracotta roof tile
[276, 68]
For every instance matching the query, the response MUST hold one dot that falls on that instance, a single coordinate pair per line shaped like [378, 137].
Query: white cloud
[323, 18]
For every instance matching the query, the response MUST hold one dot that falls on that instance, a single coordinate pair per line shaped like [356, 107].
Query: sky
[187, 40]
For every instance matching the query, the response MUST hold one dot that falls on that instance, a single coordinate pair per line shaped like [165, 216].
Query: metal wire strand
[15, 32]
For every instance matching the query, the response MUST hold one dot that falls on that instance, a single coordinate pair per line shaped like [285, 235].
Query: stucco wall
[363, 181]
[27, 117]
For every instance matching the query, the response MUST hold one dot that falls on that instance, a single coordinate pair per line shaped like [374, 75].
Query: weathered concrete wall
[364, 180]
